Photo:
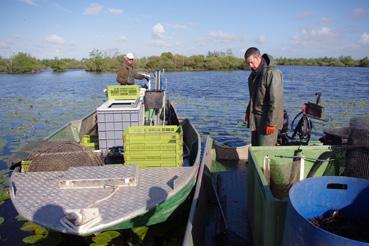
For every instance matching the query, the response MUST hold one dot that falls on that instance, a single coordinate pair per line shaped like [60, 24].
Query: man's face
[130, 61]
[253, 61]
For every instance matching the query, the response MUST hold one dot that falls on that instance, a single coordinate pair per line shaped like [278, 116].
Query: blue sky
[286, 28]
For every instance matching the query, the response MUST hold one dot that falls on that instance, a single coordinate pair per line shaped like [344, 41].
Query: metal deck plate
[38, 198]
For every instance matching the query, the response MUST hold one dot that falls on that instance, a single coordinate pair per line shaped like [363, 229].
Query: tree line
[99, 62]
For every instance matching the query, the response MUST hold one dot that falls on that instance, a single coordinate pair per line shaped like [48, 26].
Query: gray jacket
[266, 96]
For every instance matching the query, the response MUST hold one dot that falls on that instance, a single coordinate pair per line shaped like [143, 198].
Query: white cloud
[55, 39]
[179, 26]
[359, 12]
[61, 8]
[304, 15]
[121, 38]
[323, 35]
[261, 39]
[325, 20]
[158, 31]
[115, 11]
[29, 2]
[93, 9]
[221, 36]
[364, 39]
[4, 45]
[161, 43]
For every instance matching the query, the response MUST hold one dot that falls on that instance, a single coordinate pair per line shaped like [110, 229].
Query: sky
[283, 28]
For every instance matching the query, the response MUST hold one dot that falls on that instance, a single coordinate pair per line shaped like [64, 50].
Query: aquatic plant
[104, 238]
[39, 233]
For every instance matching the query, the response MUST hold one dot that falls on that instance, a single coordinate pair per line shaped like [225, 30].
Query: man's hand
[247, 118]
[269, 130]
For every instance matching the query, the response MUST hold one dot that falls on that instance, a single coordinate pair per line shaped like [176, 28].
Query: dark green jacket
[126, 75]
[266, 96]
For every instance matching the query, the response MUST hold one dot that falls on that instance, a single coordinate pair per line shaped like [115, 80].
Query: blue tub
[314, 197]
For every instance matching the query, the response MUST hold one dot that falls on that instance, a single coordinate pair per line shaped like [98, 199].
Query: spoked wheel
[303, 128]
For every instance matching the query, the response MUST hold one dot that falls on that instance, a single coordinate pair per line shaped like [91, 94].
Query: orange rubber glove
[269, 130]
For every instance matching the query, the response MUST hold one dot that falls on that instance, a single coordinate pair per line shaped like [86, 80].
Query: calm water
[34, 105]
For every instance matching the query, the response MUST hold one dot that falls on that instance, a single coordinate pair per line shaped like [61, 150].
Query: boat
[224, 152]
[218, 210]
[237, 204]
[260, 190]
[81, 186]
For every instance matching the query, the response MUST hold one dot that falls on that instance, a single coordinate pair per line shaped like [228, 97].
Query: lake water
[34, 105]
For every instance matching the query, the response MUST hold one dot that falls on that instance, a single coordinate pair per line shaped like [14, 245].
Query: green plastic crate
[123, 92]
[153, 146]
[266, 213]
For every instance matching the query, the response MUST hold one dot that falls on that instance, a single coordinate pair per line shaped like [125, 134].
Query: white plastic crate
[113, 117]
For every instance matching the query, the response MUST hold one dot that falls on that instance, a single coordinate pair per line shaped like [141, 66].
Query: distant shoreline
[25, 64]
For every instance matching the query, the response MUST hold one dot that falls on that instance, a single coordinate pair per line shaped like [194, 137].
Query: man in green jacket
[264, 113]
[126, 75]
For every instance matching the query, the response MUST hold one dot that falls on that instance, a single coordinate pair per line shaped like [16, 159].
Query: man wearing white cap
[127, 74]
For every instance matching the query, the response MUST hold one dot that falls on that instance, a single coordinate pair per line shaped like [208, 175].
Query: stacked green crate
[123, 92]
[153, 146]
[88, 142]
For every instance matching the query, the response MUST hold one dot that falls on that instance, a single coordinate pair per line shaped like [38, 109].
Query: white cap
[130, 56]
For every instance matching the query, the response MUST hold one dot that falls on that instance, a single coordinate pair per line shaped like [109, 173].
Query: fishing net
[357, 163]
[55, 156]
[357, 154]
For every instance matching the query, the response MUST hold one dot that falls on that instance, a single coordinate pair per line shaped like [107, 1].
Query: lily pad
[4, 172]
[101, 239]
[4, 180]
[20, 218]
[105, 237]
[41, 231]
[111, 234]
[140, 232]
[29, 226]
[4, 195]
[32, 239]
[1, 220]
[98, 244]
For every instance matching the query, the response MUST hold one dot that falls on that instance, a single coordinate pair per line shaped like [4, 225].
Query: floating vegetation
[140, 232]
[39, 233]
[4, 195]
[20, 218]
[2, 220]
[104, 238]
[33, 239]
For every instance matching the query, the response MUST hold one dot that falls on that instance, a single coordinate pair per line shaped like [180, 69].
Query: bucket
[336, 203]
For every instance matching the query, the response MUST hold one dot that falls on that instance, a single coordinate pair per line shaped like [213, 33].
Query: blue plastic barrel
[316, 196]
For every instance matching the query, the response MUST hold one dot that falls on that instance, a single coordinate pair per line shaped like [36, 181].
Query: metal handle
[318, 94]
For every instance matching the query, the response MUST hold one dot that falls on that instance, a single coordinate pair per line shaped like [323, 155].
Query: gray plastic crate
[115, 116]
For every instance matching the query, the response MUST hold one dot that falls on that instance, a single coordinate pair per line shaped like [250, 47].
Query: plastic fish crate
[153, 146]
[123, 92]
[113, 117]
